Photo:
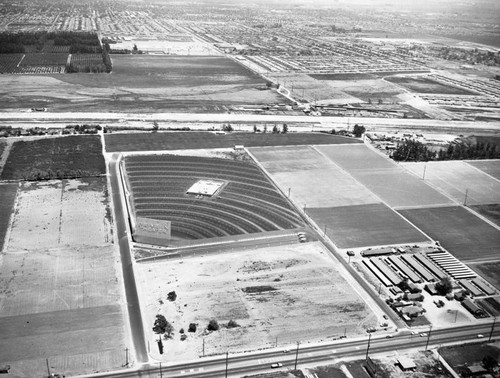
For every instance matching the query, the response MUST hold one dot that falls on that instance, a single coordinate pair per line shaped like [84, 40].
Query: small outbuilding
[406, 364]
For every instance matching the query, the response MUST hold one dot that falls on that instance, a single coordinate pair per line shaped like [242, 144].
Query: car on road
[423, 334]
[389, 337]
[276, 365]
[286, 350]
[480, 336]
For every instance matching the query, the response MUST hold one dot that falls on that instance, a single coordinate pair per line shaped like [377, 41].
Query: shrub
[232, 324]
[192, 327]
[213, 325]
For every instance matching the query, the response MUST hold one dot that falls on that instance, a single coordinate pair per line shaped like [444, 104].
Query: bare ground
[276, 295]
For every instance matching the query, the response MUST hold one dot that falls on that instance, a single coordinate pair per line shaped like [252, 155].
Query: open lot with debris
[458, 230]
[459, 180]
[61, 297]
[276, 295]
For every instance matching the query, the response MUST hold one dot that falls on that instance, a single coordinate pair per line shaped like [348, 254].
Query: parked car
[276, 365]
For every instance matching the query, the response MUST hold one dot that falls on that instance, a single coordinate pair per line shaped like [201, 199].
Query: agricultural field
[386, 179]
[459, 180]
[427, 85]
[490, 212]
[70, 156]
[246, 203]
[491, 167]
[312, 179]
[489, 270]
[285, 293]
[194, 140]
[7, 197]
[365, 226]
[9, 62]
[143, 84]
[459, 231]
[60, 276]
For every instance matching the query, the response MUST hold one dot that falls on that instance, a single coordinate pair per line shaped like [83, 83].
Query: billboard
[152, 231]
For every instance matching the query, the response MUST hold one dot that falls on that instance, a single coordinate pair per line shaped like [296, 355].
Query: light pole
[368, 347]
[227, 361]
[297, 355]
[428, 337]
[492, 328]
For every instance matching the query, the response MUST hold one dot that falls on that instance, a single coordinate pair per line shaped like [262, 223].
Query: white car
[480, 336]
[276, 365]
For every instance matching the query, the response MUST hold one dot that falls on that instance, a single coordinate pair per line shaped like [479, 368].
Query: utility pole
[423, 176]
[466, 193]
[492, 328]
[126, 357]
[324, 234]
[161, 373]
[428, 337]
[297, 355]
[368, 347]
[48, 367]
[227, 361]
[203, 347]
[289, 192]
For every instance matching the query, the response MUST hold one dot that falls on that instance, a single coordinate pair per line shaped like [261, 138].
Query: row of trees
[412, 150]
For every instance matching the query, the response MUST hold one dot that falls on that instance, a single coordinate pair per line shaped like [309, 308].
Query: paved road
[259, 362]
[20, 119]
[134, 311]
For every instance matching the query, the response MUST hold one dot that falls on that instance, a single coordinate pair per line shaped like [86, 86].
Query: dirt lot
[206, 140]
[61, 297]
[425, 85]
[455, 178]
[314, 181]
[283, 294]
[364, 226]
[142, 84]
[458, 230]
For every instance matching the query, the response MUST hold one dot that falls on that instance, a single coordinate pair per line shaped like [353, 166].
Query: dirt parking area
[276, 295]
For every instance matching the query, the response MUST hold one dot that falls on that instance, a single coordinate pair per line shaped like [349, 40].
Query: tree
[160, 326]
[172, 296]
[284, 130]
[413, 150]
[227, 127]
[135, 50]
[444, 286]
[358, 130]
[490, 363]
[156, 126]
[254, 128]
[232, 324]
[213, 325]
[192, 327]
[275, 130]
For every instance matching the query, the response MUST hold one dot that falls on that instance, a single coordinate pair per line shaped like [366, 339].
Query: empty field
[60, 294]
[7, 198]
[384, 178]
[143, 83]
[62, 157]
[458, 230]
[312, 179]
[426, 85]
[288, 293]
[491, 167]
[456, 178]
[206, 140]
[364, 226]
